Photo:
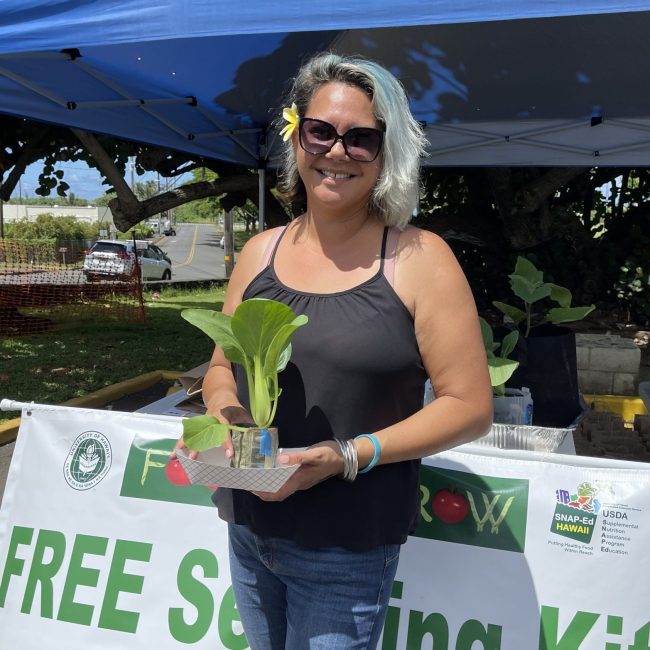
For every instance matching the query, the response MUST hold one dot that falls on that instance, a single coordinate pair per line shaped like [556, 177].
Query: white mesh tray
[213, 468]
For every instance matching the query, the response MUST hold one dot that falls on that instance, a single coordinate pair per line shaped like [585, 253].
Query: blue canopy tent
[552, 82]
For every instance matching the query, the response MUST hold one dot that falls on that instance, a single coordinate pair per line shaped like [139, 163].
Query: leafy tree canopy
[26, 142]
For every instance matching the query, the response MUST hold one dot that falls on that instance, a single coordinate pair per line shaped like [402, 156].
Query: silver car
[115, 260]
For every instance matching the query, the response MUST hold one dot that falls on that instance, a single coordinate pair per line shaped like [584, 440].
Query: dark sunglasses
[361, 143]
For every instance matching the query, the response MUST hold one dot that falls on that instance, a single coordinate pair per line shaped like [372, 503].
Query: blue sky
[84, 182]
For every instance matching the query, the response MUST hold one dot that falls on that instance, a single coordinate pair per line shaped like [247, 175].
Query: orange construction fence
[43, 284]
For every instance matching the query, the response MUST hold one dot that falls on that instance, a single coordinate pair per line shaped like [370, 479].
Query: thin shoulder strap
[271, 247]
[388, 253]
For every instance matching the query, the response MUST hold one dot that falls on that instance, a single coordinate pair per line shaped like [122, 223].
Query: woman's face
[333, 179]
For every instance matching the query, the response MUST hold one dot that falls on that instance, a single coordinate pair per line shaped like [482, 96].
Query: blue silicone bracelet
[376, 455]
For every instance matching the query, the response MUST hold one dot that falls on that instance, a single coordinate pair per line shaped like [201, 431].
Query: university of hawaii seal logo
[88, 461]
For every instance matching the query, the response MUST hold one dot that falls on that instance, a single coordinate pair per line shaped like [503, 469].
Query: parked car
[115, 260]
[169, 231]
[159, 252]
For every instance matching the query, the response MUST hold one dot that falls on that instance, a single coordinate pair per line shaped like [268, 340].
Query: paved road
[195, 252]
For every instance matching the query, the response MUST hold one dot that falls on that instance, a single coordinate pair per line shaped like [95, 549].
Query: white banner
[515, 551]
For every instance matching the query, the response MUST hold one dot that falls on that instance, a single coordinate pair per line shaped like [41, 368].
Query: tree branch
[126, 215]
[26, 158]
[533, 194]
[106, 166]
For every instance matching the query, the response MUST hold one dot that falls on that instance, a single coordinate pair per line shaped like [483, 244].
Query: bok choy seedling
[258, 338]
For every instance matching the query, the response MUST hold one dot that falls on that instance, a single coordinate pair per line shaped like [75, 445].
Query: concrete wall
[607, 364]
[90, 214]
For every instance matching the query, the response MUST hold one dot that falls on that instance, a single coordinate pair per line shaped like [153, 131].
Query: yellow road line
[192, 249]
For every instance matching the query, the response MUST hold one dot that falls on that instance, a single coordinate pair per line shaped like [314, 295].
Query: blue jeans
[297, 598]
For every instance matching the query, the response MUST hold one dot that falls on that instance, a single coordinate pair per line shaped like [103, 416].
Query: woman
[312, 565]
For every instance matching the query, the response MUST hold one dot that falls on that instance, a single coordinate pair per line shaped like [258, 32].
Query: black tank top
[355, 368]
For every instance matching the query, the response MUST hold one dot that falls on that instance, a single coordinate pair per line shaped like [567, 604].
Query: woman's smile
[335, 175]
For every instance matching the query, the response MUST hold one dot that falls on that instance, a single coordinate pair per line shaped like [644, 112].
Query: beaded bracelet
[376, 455]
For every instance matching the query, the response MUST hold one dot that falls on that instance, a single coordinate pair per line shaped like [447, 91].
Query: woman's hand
[317, 463]
[180, 444]
[234, 414]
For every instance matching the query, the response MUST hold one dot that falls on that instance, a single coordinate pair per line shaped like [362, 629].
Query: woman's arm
[432, 285]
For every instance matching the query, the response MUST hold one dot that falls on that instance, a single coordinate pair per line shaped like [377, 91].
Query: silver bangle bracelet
[355, 460]
[350, 459]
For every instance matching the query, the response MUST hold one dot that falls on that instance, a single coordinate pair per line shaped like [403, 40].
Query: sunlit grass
[72, 361]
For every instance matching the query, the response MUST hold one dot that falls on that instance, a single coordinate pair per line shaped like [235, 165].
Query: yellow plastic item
[624, 406]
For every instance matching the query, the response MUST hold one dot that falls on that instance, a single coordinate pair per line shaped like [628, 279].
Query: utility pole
[229, 244]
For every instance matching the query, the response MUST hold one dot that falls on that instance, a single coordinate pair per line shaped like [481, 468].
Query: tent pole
[261, 175]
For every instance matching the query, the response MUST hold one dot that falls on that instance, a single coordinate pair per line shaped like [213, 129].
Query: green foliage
[48, 227]
[501, 368]
[210, 210]
[202, 210]
[633, 285]
[105, 199]
[631, 270]
[258, 338]
[146, 189]
[527, 283]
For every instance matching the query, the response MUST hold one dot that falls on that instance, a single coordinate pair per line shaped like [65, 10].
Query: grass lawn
[72, 361]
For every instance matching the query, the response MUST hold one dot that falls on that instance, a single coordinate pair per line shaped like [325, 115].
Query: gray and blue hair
[395, 195]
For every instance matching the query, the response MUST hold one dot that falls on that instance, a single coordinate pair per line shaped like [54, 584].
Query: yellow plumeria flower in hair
[292, 118]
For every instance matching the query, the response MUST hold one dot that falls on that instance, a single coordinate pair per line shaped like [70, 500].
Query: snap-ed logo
[576, 513]
[88, 461]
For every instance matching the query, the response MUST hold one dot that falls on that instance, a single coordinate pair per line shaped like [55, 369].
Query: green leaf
[284, 358]
[560, 295]
[527, 282]
[217, 326]
[509, 343]
[514, 313]
[275, 354]
[490, 356]
[526, 269]
[486, 333]
[529, 292]
[203, 432]
[562, 315]
[501, 370]
[256, 322]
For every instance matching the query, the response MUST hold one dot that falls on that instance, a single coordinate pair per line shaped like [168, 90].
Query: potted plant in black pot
[546, 350]
[258, 338]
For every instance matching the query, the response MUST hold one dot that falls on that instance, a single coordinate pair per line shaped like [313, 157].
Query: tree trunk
[524, 208]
